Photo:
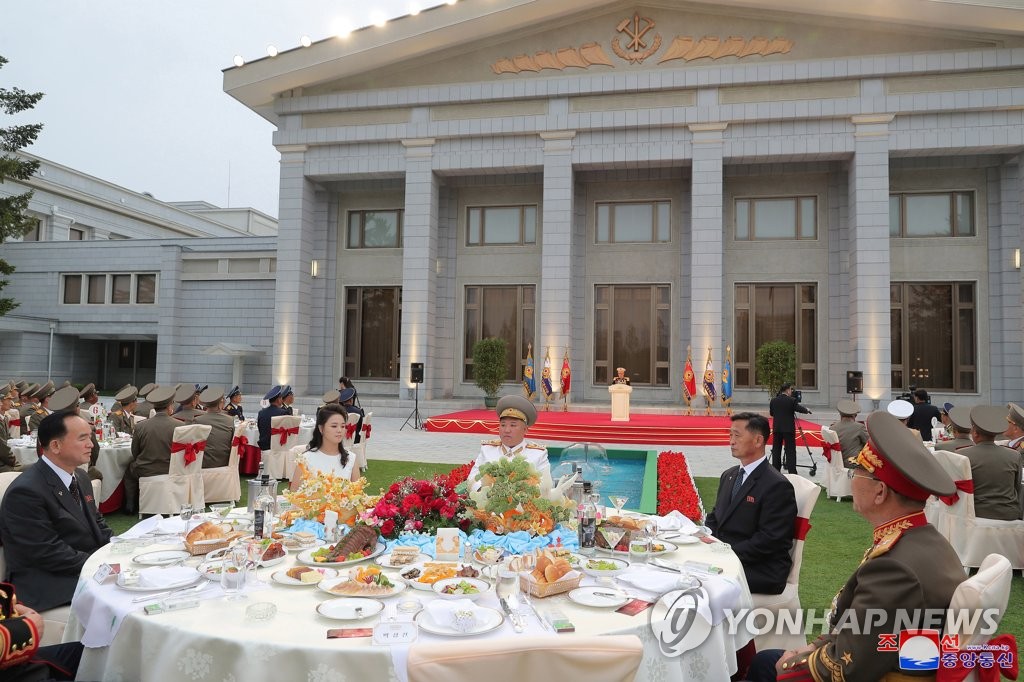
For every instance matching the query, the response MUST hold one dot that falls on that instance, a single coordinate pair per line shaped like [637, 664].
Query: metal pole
[49, 354]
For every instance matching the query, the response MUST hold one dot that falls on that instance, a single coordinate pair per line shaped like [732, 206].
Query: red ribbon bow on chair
[828, 448]
[989, 674]
[285, 432]
[350, 431]
[239, 442]
[965, 485]
[366, 431]
[15, 422]
[191, 450]
[801, 526]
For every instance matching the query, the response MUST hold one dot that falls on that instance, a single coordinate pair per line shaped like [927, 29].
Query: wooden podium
[620, 401]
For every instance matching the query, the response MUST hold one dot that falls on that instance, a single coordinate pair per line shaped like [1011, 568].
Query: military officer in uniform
[620, 376]
[1015, 431]
[186, 398]
[122, 416]
[852, 434]
[8, 462]
[287, 398]
[516, 415]
[27, 407]
[151, 446]
[995, 469]
[218, 443]
[145, 407]
[42, 409]
[347, 398]
[960, 426]
[234, 406]
[331, 397]
[909, 566]
[274, 409]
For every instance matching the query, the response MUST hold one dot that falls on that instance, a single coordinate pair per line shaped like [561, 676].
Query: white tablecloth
[215, 642]
[252, 434]
[112, 463]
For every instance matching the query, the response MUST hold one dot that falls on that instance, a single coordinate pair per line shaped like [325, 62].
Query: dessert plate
[164, 557]
[349, 608]
[487, 619]
[282, 578]
[598, 597]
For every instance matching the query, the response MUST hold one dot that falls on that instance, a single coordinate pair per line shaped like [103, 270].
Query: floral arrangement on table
[322, 491]
[420, 506]
[676, 489]
[510, 499]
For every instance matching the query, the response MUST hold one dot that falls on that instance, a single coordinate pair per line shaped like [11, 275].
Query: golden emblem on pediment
[636, 28]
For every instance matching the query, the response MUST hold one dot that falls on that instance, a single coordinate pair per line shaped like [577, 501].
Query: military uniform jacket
[143, 409]
[122, 421]
[996, 473]
[235, 411]
[852, 437]
[151, 445]
[910, 566]
[25, 411]
[8, 462]
[188, 415]
[493, 450]
[263, 423]
[955, 444]
[218, 443]
[39, 413]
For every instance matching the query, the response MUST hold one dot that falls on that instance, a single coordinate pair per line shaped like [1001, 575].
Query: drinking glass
[232, 576]
[186, 513]
[508, 583]
[254, 551]
[618, 501]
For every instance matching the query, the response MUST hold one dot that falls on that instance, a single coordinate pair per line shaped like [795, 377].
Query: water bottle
[263, 510]
[588, 522]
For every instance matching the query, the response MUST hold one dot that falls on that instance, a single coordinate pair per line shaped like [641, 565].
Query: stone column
[555, 330]
[169, 323]
[1004, 244]
[419, 265]
[870, 337]
[60, 226]
[295, 230]
[706, 265]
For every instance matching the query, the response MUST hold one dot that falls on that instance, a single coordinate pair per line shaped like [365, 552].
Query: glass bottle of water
[588, 522]
[263, 510]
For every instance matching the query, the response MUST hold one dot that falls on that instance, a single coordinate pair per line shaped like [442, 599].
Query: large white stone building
[618, 181]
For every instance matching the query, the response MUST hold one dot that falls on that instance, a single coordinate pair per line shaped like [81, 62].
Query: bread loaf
[205, 531]
[556, 570]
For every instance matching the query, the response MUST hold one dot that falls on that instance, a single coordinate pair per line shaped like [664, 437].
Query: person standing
[996, 470]
[755, 510]
[783, 409]
[924, 413]
[852, 434]
[218, 443]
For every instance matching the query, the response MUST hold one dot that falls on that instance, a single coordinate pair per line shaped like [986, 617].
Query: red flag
[689, 381]
[566, 374]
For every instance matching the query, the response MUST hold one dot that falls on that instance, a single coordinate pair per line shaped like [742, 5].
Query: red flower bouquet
[676, 489]
[418, 505]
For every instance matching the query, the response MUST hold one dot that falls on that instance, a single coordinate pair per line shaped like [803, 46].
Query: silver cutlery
[513, 617]
[529, 602]
[610, 595]
[173, 593]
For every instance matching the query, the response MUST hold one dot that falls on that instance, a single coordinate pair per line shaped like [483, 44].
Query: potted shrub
[776, 365]
[489, 368]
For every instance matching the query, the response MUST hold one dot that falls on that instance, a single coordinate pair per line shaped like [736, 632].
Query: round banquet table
[112, 462]
[216, 642]
[249, 455]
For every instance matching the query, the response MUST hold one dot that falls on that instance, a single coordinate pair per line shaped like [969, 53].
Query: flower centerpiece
[511, 499]
[421, 506]
[676, 489]
[322, 491]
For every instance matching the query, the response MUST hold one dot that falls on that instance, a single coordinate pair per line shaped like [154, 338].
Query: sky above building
[134, 88]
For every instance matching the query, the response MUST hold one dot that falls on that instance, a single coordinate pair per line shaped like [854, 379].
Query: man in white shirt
[516, 415]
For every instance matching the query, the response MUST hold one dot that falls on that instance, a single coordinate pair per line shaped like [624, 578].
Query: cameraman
[782, 409]
[924, 413]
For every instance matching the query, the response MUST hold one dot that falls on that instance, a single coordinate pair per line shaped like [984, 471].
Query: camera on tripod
[909, 395]
[798, 395]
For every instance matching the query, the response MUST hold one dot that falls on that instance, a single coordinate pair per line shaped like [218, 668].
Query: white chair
[13, 423]
[361, 445]
[806, 497]
[986, 591]
[612, 658]
[222, 484]
[837, 476]
[348, 442]
[284, 435]
[183, 482]
[971, 537]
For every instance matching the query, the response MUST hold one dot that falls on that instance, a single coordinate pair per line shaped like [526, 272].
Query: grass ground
[833, 549]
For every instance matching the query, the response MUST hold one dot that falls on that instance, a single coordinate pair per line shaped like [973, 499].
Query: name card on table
[395, 632]
[105, 571]
[447, 544]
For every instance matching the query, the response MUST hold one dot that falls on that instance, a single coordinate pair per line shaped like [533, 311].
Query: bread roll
[555, 571]
[538, 575]
[207, 530]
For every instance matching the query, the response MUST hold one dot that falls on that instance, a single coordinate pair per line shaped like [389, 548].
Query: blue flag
[529, 383]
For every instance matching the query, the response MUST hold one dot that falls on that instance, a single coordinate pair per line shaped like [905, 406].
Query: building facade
[622, 182]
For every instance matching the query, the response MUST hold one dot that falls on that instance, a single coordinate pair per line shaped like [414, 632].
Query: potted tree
[776, 365]
[489, 368]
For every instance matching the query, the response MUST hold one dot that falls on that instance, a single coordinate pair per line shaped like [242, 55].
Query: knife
[512, 616]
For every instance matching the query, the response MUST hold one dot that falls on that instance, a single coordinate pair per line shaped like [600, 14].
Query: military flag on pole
[529, 383]
[545, 379]
[689, 382]
[727, 381]
[566, 380]
[710, 393]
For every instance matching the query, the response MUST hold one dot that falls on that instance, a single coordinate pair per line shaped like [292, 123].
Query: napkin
[675, 520]
[307, 526]
[164, 577]
[521, 542]
[453, 612]
[658, 582]
[143, 527]
[172, 525]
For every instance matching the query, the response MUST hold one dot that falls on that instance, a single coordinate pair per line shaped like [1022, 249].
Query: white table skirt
[215, 642]
[112, 462]
[252, 434]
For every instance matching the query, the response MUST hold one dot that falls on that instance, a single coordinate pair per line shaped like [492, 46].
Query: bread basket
[206, 546]
[540, 590]
[209, 537]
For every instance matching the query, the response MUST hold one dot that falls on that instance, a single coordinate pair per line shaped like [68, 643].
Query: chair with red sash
[361, 445]
[284, 435]
[183, 482]
[837, 476]
[985, 592]
[13, 423]
[806, 497]
[221, 484]
[973, 538]
[348, 442]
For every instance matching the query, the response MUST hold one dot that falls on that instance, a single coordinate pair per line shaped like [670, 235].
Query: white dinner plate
[415, 584]
[283, 578]
[598, 597]
[345, 608]
[211, 570]
[678, 539]
[306, 557]
[487, 619]
[620, 566]
[164, 557]
[669, 546]
[326, 585]
[384, 560]
[173, 586]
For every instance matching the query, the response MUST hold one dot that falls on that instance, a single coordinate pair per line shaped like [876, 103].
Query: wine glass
[508, 583]
[232, 575]
[186, 512]
[254, 551]
[618, 501]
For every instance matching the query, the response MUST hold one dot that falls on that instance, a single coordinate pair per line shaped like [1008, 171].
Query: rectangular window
[126, 355]
[938, 214]
[375, 229]
[632, 329]
[97, 288]
[934, 337]
[373, 335]
[76, 235]
[503, 312]
[501, 225]
[35, 234]
[122, 289]
[634, 222]
[776, 312]
[145, 289]
[72, 289]
[777, 218]
[147, 355]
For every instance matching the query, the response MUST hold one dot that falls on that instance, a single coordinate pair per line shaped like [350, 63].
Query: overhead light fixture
[314, 268]
[1016, 259]
[379, 19]
[238, 60]
[414, 9]
[305, 40]
[342, 28]
[271, 50]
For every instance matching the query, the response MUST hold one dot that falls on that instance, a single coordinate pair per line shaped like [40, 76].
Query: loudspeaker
[416, 372]
[854, 382]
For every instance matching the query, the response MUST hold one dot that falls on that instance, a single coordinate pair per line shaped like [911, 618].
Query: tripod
[813, 465]
[414, 416]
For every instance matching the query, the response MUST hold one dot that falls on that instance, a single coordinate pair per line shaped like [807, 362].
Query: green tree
[14, 220]
[489, 367]
[776, 365]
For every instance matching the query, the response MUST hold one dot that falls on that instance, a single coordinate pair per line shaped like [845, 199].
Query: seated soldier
[996, 470]
[852, 434]
[8, 462]
[516, 415]
[960, 428]
[21, 657]
[122, 417]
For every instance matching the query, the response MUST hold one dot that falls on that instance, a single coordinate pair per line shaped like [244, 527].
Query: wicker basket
[206, 546]
[541, 590]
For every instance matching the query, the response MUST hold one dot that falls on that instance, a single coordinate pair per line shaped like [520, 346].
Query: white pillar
[419, 264]
[870, 335]
[555, 331]
[1005, 240]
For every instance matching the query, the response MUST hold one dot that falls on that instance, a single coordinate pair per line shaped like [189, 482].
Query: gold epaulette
[496, 441]
[39, 410]
[884, 545]
[117, 412]
[535, 446]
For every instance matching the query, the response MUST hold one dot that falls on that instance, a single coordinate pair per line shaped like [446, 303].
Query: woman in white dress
[325, 452]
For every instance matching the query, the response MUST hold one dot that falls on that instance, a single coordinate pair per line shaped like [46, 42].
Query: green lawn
[834, 546]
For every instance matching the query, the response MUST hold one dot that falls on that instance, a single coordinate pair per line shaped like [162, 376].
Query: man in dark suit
[755, 509]
[49, 523]
[782, 409]
[924, 413]
[218, 443]
[274, 409]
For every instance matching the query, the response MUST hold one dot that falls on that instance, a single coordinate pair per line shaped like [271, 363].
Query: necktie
[74, 490]
[737, 484]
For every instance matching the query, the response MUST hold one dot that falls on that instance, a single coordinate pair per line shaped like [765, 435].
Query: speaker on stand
[416, 377]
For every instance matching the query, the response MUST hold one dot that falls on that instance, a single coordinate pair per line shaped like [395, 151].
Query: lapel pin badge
[750, 498]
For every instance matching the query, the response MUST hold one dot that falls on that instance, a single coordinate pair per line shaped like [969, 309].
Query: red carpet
[661, 429]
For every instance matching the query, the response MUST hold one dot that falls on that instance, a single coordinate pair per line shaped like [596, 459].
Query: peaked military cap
[160, 397]
[233, 392]
[331, 396]
[273, 393]
[901, 409]
[126, 395]
[518, 407]
[212, 395]
[989, 419]
[1016, 414]
[87, 390]
[346, 395]
[961, 418]
[145, 390]
[848, 408]
[184, 393]
[65, 400]
[895, 456]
